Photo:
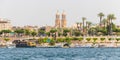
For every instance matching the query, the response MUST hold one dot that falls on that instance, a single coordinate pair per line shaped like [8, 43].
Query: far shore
[105, 41]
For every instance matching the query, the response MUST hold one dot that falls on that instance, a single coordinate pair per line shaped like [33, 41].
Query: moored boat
[24, 44]
[10, 45]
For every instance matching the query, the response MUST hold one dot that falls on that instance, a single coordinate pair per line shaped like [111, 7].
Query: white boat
[10, 45]
[95, 45]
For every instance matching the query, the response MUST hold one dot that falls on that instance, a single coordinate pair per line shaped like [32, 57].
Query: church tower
[57, 20]
[63, 21]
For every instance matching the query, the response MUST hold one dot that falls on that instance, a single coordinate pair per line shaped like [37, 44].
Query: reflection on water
[60, 54]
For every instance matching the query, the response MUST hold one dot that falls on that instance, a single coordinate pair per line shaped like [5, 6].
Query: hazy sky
[42, 12]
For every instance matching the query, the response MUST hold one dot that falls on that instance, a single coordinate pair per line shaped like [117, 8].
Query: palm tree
[77, 25]
[104, 21]
[83, 18]
[108, 26]
[110, 18]
[88, 24]
[80, 25]
[101, 15]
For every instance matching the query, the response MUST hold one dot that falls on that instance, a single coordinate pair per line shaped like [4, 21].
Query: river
[60, 54]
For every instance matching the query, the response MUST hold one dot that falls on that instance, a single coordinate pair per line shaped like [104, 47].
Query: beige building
[27, 27]
[63, 21]
[31, 28]
[5, 24]
[46, 28]
[57, 21]
[60, 23]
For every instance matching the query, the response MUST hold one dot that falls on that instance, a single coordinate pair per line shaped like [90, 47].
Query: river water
[60, 54]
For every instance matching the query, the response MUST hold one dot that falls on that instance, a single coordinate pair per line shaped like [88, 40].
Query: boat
[66, 45]
[95, 45]
[24, 44]
[10, 45]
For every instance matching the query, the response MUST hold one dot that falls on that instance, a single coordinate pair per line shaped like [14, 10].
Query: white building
[5, 24]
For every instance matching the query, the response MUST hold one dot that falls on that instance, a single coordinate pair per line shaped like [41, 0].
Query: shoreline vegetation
[88, 41]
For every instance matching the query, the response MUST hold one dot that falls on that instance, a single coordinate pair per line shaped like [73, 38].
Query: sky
[42, 12]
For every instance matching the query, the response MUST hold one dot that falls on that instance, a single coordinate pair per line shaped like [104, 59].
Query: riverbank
[88, 41]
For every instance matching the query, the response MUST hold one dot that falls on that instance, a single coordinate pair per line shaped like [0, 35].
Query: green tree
[34, 33]
[19, 32]
[5, 32]
[41, 32]
[27, 32]
[65, 32]
[92, 31]
[47, 33]
[53, 30]
[77, 33]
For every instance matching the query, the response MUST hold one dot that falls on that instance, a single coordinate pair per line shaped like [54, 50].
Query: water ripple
[60, 54]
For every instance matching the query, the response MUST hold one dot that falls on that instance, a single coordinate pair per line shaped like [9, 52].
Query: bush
[45, 39]
[117, 39]
[102, 39]
[52, 42]
[34, 38]
[6, 39]
[80, 39]
[77, 33]
[60, 40]
[88, 39]
[75, 38]
[110, 38]
[40, 40]
[70, 38]
[67, 39]
[95, 39]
